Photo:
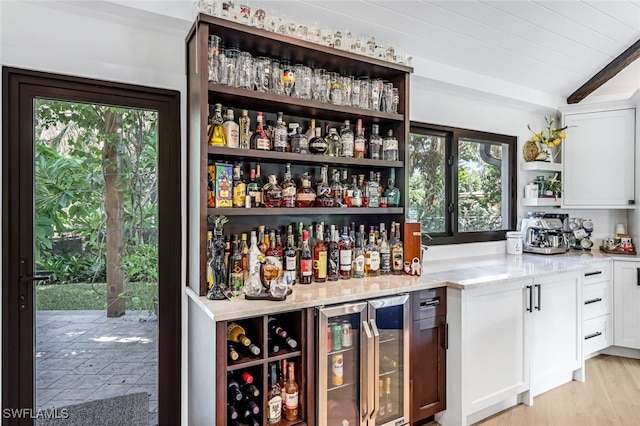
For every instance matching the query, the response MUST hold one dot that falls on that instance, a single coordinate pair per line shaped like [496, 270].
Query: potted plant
[543, 145]
[553, 186]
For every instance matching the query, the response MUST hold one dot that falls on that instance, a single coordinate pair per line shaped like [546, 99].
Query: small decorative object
[554, 186]
[219, 290]
[531, 151]
[547, 140]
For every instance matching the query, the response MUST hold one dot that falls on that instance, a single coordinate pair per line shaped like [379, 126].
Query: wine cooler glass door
[344, 339]
[389, 320]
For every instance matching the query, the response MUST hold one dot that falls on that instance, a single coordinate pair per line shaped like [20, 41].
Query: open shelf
[541, 166]
[340, 351]
[296, 211]
[244, 363]
[284, 355]
[339, 387]
[542, 202]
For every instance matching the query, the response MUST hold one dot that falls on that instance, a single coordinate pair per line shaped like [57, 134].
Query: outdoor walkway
[83, 356]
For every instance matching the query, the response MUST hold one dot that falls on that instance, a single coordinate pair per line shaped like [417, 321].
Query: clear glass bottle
[290, 258]
[347, 140]
[372, 256]
[217, 134]
[305, 195]
[311, 131]
[253, 285]
[357, 197]
[272, 193]
[288, 189]
[334, 147]
[262, 244]
[397, 252]
[360, 142]
[245, 130]
[244, 251]
[390, 147]
[291, 395]
[345, 246]
[385, 254]
[299, 142]
[358, 258]
[235, 269]
[348, 189]
[306, 261]
[260, 140]
[254, 190]
[375, 143]
[323, 193]
[337, 190]
[333, 256]
[280, 135]
[239, 188]
[317, 144]
[319, 257]
[231, 130]
[392, 193]
[373, 190]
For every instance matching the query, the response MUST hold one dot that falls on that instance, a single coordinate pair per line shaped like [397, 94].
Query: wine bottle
[232, 413]
[291, 395]
[234, 390]
[246, 377]
[274, 346]
[236, 334]
[233, 354]
[251, 390]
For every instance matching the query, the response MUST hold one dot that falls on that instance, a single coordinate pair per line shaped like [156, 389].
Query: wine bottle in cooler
[291, 394]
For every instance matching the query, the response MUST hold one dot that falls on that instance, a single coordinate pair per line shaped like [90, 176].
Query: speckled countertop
[463, 273]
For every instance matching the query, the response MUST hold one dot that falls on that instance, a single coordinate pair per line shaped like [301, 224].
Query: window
[461, 184]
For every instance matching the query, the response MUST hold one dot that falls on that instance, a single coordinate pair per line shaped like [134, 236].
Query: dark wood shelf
[271, 103]
[292, 157]
[297, 211]
[284, 355]
[244, 363]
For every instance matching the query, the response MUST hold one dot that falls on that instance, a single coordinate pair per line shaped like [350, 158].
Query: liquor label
[291, 401]
[271, 269]
[320, 265]
[374, 261]
[289, 191]
[290, 263]
[263, 143]
[359, 145]
[239, 194]
[305, 196]
[398, 261]
[356, 201]
[333, 263]
[306, 267]
[345, 260]
[274, 413]
[319, 145]
[385, 262]
[347, 145]
[224, 186]
[235, 282]
[280, 139]
[234, 137]
[256, 197]
[337, 370]
[358, 264]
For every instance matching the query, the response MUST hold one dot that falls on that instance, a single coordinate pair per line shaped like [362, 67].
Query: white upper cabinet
[598, 157]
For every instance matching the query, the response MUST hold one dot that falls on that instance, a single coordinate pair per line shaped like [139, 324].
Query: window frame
[452, 137]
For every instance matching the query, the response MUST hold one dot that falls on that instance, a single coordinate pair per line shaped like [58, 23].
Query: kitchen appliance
[363, 363]
[544, 233]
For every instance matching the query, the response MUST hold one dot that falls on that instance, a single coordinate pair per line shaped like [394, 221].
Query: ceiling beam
[606, 73]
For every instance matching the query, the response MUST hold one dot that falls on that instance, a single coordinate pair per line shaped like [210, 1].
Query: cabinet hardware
[638, 276]
[530, 304]
[591, 336]
[538, 305]
[589, 274]
[446, 336]
[429, 303]
[588, 302]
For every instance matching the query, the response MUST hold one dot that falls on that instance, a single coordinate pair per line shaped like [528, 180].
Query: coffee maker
[544, 233]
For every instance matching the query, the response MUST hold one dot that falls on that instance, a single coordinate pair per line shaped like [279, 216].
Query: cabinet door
[557, 328]
[626, 302]
[428, 367]
[598, 141]
[495, 321]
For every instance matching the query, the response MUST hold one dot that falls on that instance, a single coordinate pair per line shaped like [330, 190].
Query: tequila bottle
[390, 147]
[323, 193]
[260, 139]
[360, 142]
[392, 193]
[317, 144]
[288, 189]
[245, 130]
[231, 130]
[262, 244]
[347, 140]
[375, 143]
[272, 193]
[280, 135]
[305, 196]
[358, 193]
[371, 256]
[334, 147]
[217, 134]
[373, 191]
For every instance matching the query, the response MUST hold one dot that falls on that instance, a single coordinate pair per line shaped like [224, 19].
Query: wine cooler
[363, 363]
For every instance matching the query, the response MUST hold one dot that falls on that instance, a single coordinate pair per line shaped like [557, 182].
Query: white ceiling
[522, 47]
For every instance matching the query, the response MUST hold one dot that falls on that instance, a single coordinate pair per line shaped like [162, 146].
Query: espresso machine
[545, 233]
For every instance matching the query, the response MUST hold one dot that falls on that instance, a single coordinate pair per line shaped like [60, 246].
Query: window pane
[427, 181]
[482, 185]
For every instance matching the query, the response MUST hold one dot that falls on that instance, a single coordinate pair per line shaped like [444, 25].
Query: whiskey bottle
[323, 197]
[392, 193]
[231, 130]
[346, 252]
[390, 147]
[347, 140]
[357, 197]
[288, 189]
[373, 189]
[311, 131]
[360, 142]
[272, 193]
[239, 188]
[375, 143]
[358, 258]
[217, 134]
[298, 141]
[385, 255]
[347, 188]
[305, 195]
[280, 135]
[273, 261]
[290, 258]
[260, 139]
[306, 261]
[245, 130]
[397, 252]
[371, 256]
[254, 190]
[317, 144]
[274, 397]
[291, 394]
[333, 255]
[320, 258]
[334, 147]
[262, 244]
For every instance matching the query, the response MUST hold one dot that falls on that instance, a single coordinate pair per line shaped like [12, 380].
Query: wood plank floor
[610, 396]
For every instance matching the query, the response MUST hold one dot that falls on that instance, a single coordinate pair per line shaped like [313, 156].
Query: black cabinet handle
[538, 305]
[429, 303]
[589, 274]
[638, 276]
[530, 305]
[591, 336]
[588, 302]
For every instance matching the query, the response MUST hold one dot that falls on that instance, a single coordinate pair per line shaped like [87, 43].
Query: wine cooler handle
[366, 365]
[376, 369]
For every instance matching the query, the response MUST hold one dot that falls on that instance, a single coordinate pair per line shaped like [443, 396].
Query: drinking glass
[302, 88]
[337, 39]
[335, 91]
[245, 71]
[244, 15]
[355, 92]
[278, 287]
[214, 51]
[229, 11]
[230, 66]
[223, 78]
[365, 92]
[377, 85]
[288, 77]
[302, 32]
[395, 100]
[387, 97]
[345, 82]
[259, 19]
[318, 85]
[326, 37]
[271, 21]
[276, 78]
[263, 73]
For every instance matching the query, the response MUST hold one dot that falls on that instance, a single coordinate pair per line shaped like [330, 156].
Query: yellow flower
[535, 138]
[562, 135]
[557, 141]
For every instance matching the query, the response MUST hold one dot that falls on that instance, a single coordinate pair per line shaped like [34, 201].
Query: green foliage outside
[87, 297]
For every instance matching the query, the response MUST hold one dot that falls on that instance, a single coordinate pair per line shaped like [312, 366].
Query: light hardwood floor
[610, 396]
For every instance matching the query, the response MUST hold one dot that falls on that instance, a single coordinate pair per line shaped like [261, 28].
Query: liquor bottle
[235, 269]
[374, 192]
[390, 147]
[259, 182]
[320, 258]
[397, 252]
[217, 134]
[250, 421]
[357, 197]
[334, 147]
[358, 257]
[245, 130]
[250, 391]
[306, 261]
[274, 397]
[280, 136]
[209, 124]
[317, 144]
[233, 389]
[290, 258]
[231, 130]
[347, 140]
[244, 252]
[288, 189]
[236, 334]
[305, 195]
[336, 189]
[312, 240]
[282, 378]
[232, 413]
[311, 131]
[375, 143]
[298, 140]
[360, 142]
[291, 394]
[372, 256]
[385, 255]
[260, 139]
[390, 407]
[333, 255]
[210, 252]
[239, 188]
[272, 262]
[272, 193]
[252, 282]
[227, 252]
[279, 247]
[323, 193]
[392, 193]
[347, 188]
[233, 354]
[263, 245]
[254, 190]
[346, 251]
[382, 406]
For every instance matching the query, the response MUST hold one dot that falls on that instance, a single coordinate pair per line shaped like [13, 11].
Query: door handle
[530, 305]
[596, 300]
[538, 304]
[591, 336]
[31, 278]
[366, 366]
[638, 276]
[376, 370]
[589, 274]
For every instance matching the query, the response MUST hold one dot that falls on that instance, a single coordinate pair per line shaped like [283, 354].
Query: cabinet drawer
[596, 273]
[597, 299]
[597, 334]
[429, 303]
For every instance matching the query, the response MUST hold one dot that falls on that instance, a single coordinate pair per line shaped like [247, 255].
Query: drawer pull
[591, 336]
[590, 274]
[588, 302]
[429, 303]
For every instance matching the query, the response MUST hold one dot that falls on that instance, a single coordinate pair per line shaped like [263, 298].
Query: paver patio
[83, 356]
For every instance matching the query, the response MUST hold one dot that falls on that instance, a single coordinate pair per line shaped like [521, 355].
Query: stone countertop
[462, 273]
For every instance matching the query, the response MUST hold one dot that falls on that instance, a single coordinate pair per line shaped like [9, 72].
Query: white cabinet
[598, 156]
[597, 296]
[626, 304]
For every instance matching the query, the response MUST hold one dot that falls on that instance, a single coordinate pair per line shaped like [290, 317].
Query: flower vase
[554, 154]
